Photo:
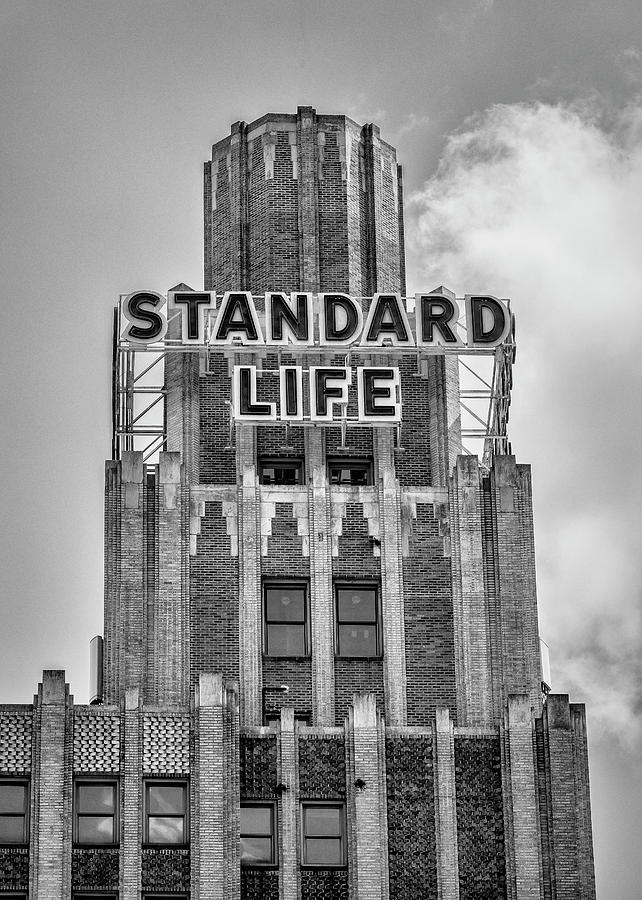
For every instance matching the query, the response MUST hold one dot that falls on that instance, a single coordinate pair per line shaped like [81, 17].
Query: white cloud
[543, 204]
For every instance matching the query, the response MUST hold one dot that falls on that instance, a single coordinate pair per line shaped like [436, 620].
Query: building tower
[322, 674]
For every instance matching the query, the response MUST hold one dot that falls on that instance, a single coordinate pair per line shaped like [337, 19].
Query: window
[14, 803]
[281, 471]
[350, 471]
[258, 846]
[357, 620]
[323, 833]
[166, 812]
[302, 718]
[96, 812]
[285, 632]
[101, 896]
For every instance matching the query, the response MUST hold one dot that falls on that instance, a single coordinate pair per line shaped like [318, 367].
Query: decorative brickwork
[322, 767]
[259, 884]
[411, 817]
[96, 741]
[285, 532]
[14, 868]
[94, 870]
[324, 885]
[15, 742]
[258, 758]
[480, 819]
[165, 744]
[165, 870]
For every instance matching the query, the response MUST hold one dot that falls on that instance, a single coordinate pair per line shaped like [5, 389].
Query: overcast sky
[519, 125]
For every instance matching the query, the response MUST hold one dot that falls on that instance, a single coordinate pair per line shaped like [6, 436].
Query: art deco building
[322, 673]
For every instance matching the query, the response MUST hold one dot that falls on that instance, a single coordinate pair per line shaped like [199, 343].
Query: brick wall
[214, 611]
[430, 666]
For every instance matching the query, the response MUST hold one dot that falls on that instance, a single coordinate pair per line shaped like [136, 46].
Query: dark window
[357, 620]
[166, 812]
[286, 632]
[258, 845]
[14, 801]
[96, 812]
[102, 896]
[350, 471]
[281, 471]
[303, 718]
[323, 833]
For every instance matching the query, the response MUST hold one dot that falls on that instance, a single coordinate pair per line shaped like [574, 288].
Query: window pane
[350, 473]
[12, 829]
[357, 640]
[285, 604]
[165, 798]
[12, 798]
[256, 820]
[165, 830]
[286, 640]
[256, 849]
[323, 851]
[95, 830]
[356, 604]
[96, 798]
[322, 820]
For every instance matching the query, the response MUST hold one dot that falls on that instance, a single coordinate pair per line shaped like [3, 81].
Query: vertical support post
[392, 592]
[131, 573]
[366, 794]
[216, 792]
[289, 877]
[50, 869]
[250, 625]
[445, 807]
[131, 837]
[322, 600]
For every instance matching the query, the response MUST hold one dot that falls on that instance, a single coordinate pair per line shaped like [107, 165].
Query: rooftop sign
[324, 320]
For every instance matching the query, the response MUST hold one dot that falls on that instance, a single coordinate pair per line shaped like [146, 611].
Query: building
[322, 672]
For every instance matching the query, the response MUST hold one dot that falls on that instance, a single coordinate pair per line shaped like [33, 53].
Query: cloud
[541, 203]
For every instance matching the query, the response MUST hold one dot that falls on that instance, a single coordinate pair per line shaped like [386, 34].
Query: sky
[519, 126]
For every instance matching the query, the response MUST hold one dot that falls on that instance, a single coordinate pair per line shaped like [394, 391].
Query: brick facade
[451, 776]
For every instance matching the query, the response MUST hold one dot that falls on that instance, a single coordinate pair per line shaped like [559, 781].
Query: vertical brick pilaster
[289, 874]
[470, 607]
[523, 864]
[131, 818]
[366, 795]
[445, 807]
[515, 560]
[308, 199]
[392, 592]
[582, 803]
[50, 865]
[182, 403]
[171, 624]
[322, 600]
[216, 792]
[445, 418]
[250, 618]
[563, 810]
